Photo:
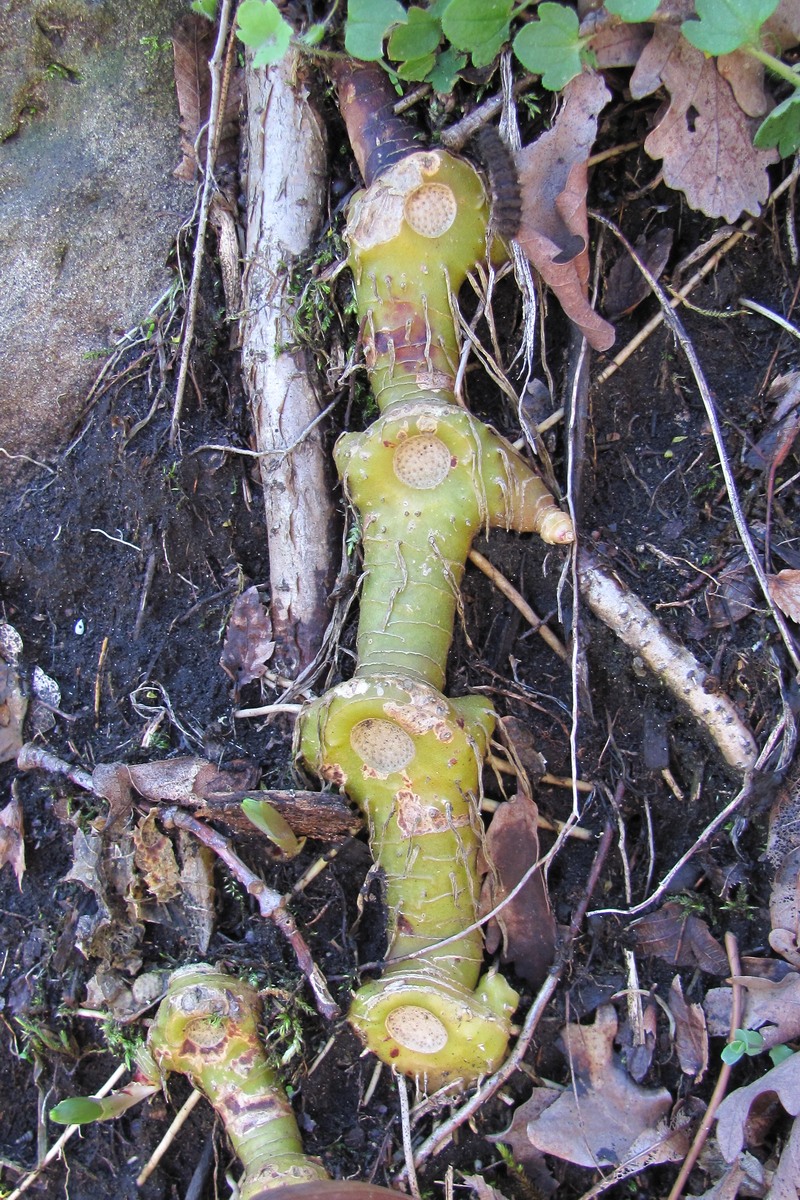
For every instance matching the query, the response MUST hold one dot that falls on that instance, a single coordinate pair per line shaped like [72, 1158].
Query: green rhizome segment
[207, 1027]
[426, 477]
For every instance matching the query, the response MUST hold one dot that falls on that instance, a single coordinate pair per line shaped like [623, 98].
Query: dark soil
[139, 608]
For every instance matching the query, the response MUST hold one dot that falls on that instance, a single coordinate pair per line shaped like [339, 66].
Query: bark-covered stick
[285, 185]
[677, 668]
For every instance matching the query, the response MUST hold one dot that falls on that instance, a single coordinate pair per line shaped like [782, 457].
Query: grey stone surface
[88, 203]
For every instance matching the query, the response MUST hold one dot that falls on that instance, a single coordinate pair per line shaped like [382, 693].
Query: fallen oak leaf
[682, 939]
[784, 588]
[691, 1035]
[782, 1081]
[772, 1009]
[248, 644]
[554, 231]
[604, 1113]
[704, 139]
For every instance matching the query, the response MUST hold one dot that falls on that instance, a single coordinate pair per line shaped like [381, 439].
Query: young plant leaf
[269, 821]
[632, 10]
[445, 73]
[368, 23]
[725, 25]
[78, 1110]
[206, 8]
[781, 128]
[417, 39]
[416, 69]
[261, 27]
[480, 29]
[551, 46]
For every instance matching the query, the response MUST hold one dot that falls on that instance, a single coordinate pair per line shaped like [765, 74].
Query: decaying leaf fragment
[248, 643]
[782, 1081]
[681, 938]
[12, 843]
[772, 1008]
[784, 588]
[154, 858]
[525, 926]
[554, 232]
[691, 1036]
[704, 138]
[603, 1115]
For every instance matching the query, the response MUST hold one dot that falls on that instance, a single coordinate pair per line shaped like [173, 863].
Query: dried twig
[271, 904]
[676, 667]
[209, 186]
[686, 345]
[510, 592]
[717, 1096]
[180, 1119]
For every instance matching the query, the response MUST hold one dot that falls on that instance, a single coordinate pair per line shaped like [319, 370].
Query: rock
[88, 203]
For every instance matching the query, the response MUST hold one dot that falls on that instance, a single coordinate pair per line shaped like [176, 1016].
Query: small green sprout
[747, 1042]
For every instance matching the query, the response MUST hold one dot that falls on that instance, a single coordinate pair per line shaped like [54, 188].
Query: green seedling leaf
[78, 1110]
[368, 23]
[551, 46]
[632, 10]
[445, 73]
[313, 35]
[725, 25]
[480, 29]
[781, 128]
[263, 29]
[744, 1042]
[269, 821]
[82, 1110]
[416, 69]
[415, 40]
[206, 8]
[779, 1054]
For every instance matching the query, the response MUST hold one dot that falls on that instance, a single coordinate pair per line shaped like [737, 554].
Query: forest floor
[119, 563]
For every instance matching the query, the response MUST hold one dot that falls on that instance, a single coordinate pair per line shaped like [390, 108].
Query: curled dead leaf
[772, 1008]
[691, 1036]
[525, 925]
[554, 233]
[784, 588]
[248, 642]
[782, 1081]
[680, 938]
[12, 840]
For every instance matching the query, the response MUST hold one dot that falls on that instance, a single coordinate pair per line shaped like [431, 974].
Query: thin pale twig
[510, 592]
[709, 1116]
[209, 186]
[180, 1119]
[685, 342]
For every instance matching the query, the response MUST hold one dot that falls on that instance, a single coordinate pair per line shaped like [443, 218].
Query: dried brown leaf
[784, 588]
[745, 75]
[192, 45]
[554, 232]
[614, 44]
[704, 138]
[691, 1037]
[776, 441]
[12, 837]
[604, 1114]
[784, 825]
[784, 909]
[771, 1008]
[155, 859]
[526, 925]
[681, 939]
[782, 1081]
[248, 643]
[785, 1183]
[197, 890]
[13, 706]
[482, 1189]
[733, 595]
[516, 1138]
[626, 286]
